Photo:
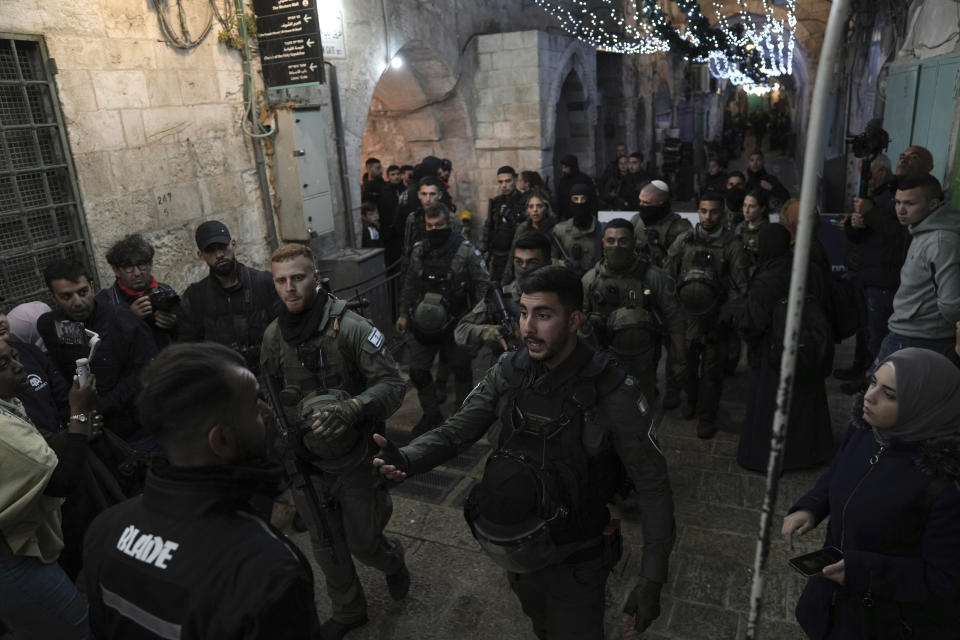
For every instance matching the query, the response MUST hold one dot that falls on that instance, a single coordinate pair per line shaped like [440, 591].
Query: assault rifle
[567, 260]
[320, 511]
[509, 328]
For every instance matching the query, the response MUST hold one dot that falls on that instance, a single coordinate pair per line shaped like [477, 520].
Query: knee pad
[420, 378]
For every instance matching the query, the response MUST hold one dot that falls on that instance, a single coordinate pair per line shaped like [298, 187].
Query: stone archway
[418, 110]
[572, 132]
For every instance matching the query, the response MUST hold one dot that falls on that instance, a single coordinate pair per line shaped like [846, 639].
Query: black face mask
[653, 212]
[581, 214]
[436, 238]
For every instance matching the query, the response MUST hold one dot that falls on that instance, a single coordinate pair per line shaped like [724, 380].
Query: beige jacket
[29, 520]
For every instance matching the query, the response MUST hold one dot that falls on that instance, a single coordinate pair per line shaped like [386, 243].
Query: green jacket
[355, 358]
[470, 276]
[468, 331]
[623, 418]
[582, 246]
[659, 236]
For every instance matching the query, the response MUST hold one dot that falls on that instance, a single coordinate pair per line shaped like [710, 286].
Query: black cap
[570, 160]
[446, 165]
[210, 232]
[506, 169]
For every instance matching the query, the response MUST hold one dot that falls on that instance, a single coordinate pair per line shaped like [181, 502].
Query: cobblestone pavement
[457, 592]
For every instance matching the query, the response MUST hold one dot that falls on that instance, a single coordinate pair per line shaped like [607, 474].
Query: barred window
[40, 214]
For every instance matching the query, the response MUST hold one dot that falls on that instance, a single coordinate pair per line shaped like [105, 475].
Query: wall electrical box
[302, 180]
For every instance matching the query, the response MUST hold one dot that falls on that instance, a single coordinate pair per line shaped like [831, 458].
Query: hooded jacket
[927, 304]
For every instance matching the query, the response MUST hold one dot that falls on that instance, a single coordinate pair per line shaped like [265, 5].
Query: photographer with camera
[153, 302]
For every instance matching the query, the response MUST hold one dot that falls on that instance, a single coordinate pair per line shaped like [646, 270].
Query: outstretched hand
[389, 461]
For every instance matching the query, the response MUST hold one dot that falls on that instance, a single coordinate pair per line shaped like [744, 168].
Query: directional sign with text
[289, 39]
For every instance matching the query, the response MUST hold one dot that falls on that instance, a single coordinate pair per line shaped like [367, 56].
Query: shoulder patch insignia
[375, 338]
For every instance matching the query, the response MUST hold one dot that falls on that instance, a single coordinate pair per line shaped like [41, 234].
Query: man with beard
[710, 268]
[429, 194]
[126, 345]
[759, 178]
[504, 213]
[445, 278]
[485, 323]
[631, 308]
[234, 304]
[574, 426]
[339, 383]
[577, 240]
[656, 226]
[571, 176]
[132, 262]
[190, 558]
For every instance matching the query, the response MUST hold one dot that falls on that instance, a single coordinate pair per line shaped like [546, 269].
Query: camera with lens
[163, 300]
[873, 141]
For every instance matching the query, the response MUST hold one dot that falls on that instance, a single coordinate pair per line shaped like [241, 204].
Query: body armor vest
[659, 238]
[700, 287]
[625, 303]
[547, 435]
[507, 215]
[443, 295]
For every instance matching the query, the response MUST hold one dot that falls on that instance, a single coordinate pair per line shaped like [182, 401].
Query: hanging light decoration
[742, 51]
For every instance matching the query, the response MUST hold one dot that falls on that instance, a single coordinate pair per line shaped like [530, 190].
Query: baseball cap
[210, 232]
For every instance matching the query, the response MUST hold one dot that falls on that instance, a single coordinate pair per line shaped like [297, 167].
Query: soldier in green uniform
[711, 271]
[339, 383]
[574, 426]
[504, 213]
[656, 226]
[485, 322]
[430, 193]
[631, 307]
[756, 213]
[577, 239]
[445, 278]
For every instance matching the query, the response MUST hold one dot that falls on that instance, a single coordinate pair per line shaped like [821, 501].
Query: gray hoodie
[927, 304]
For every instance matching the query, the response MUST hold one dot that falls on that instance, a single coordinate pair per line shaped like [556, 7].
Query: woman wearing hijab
[893, 498]
[809, 440]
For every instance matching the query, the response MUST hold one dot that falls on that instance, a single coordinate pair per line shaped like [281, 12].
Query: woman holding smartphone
[893, 497]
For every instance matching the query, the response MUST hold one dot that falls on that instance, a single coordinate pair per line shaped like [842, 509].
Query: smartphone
[812, 564]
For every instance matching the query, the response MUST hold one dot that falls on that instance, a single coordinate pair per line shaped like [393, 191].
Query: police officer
[656, 226]
[504, 213]
[234, 304]
[756, 213]
[190, 558]
[577, 239]
[574, 426]
[340, 381]
[711, 271]
[486, 322]
[631, 307]
[446, 277]
[430, 194]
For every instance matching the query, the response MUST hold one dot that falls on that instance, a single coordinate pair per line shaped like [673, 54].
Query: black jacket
[779, 193]
[46, 401]
[116, 295]
[190, 553]
[236, 317]
[895, 514]
[126, 347]
[877, 252]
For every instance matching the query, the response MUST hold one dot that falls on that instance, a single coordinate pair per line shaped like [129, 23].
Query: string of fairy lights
[750, 49]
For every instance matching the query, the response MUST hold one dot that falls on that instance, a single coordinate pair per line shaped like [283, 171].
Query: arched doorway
[418, 110]
[572, 130]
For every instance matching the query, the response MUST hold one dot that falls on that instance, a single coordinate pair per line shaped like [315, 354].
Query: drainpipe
[341, 152]
[836, 27]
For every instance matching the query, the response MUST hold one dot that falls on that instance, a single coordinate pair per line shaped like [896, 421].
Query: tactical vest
[242, 332]
[659, 236]
[506, 215]
[444, 294]
[318, 372]
[543, 433]
[625, 303]
[585, 250]
[702, 265]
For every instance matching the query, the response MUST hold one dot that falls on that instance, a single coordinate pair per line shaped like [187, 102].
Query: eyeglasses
[129, 268]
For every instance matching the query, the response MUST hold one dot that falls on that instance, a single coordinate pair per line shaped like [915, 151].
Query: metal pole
[836, 28]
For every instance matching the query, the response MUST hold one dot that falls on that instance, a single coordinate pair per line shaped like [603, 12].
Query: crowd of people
[146, 433]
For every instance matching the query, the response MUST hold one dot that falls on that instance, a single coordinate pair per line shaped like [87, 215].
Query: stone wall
[153, 130]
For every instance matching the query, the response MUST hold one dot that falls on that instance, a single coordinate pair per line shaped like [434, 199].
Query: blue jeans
[879, 309]
[895, 342]
[38, 601]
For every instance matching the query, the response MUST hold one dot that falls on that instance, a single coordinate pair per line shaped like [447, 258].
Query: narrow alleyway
[458, 592]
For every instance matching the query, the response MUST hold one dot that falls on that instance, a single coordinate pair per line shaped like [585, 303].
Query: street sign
[288, 33]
